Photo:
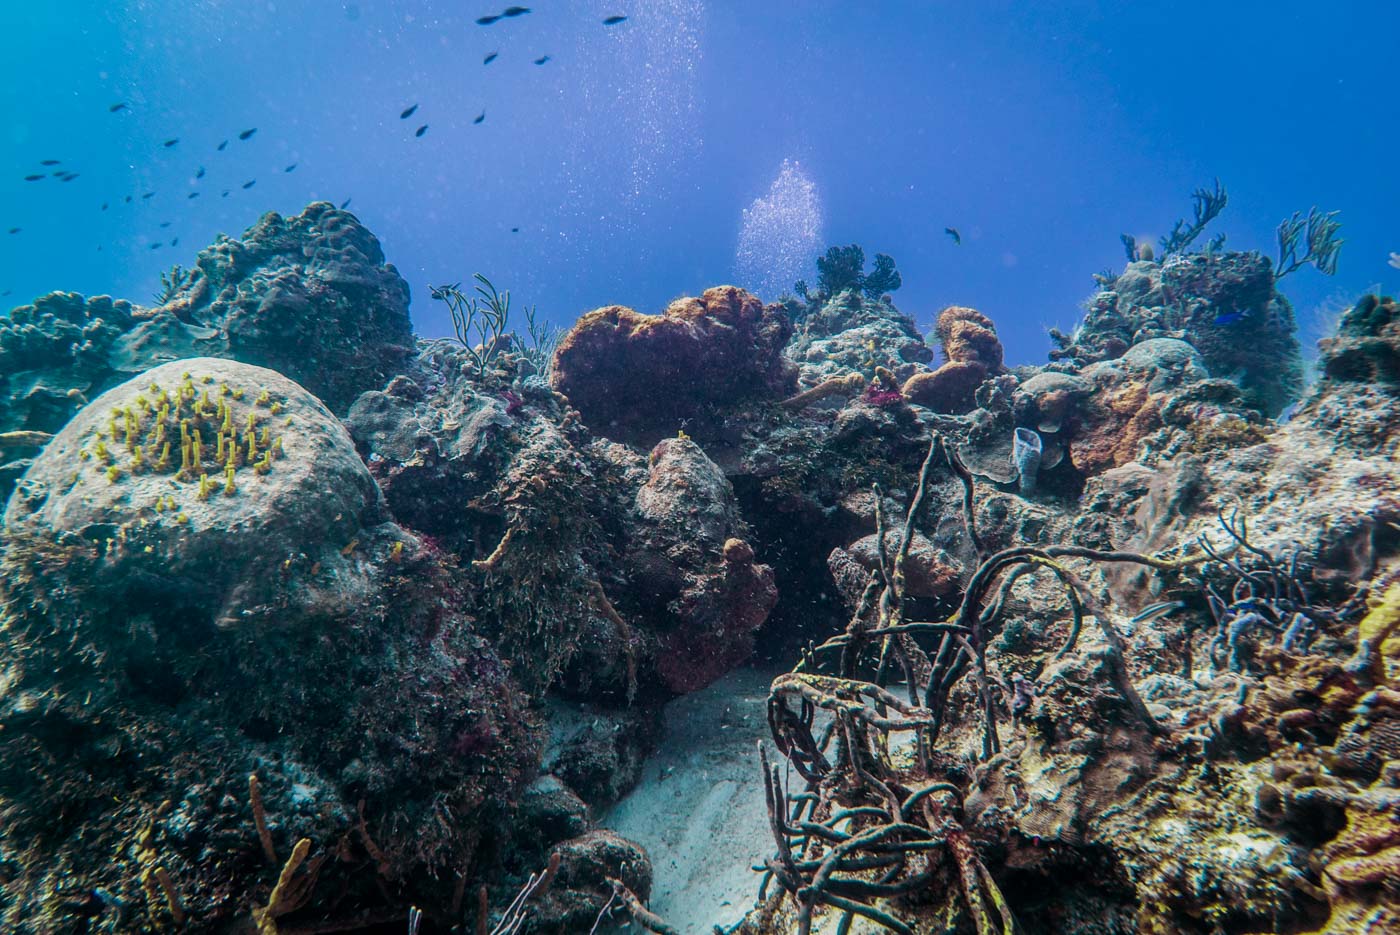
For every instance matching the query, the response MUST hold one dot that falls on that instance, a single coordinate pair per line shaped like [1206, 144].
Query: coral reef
[1366, 347]
[1224, 304]
[309, 296]
[265, 671]
[849, 336]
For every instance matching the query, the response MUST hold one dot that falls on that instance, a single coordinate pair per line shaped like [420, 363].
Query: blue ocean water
[619, 170]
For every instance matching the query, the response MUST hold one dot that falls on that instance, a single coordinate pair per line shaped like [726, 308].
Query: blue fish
[1229, 318]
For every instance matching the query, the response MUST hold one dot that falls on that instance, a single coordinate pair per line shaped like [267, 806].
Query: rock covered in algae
[308, 295]
[853, 334]
[688, 547]
[1224, 304]
[168, 633]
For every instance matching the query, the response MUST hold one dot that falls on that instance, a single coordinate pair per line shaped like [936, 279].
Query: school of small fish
[172, 143]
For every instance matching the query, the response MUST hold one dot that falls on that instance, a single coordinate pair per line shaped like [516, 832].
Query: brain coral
[632, 375]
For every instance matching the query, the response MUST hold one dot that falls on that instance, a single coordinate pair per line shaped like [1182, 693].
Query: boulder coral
[632, 375]
[1225, 305]
[203, 585]
[972, 353]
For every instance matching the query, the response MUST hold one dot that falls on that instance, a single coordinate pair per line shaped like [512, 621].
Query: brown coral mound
[973, 353]
[947, 389]
[967, 334]
[631, 374]
[943, 328]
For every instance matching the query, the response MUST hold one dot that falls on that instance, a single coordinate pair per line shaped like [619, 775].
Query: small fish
[33, 178]
[175, 242]
[614, 20]
[156, 245]
[479, 117]
[1289, 411]
[1159, 609]
[164, 224]
[250, 183]
[169, 143]
[128, 199]
[408, 112]
[345, 204]
[224, 193]
[104, 206]
[290, 167]
[515, 230]
[486, 20]
[222, 146]
[421, 130]
[1228, 318]
[1395, 259]
[116, 107]
[59, 174]
[200, 173]
[247, 134]
[48, 162]
[16, 230]
[490, 58]
[5, 293]
[953, 233]
[147, 196]
[515, 11]
[69, 177]
[542, 59]
[191, 195]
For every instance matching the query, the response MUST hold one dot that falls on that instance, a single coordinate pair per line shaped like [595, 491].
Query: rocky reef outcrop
[309, 296]
[1224, 304]
[851, 333]
[211, 622]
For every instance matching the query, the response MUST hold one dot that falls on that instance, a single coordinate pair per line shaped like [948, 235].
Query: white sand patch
[698, 808]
